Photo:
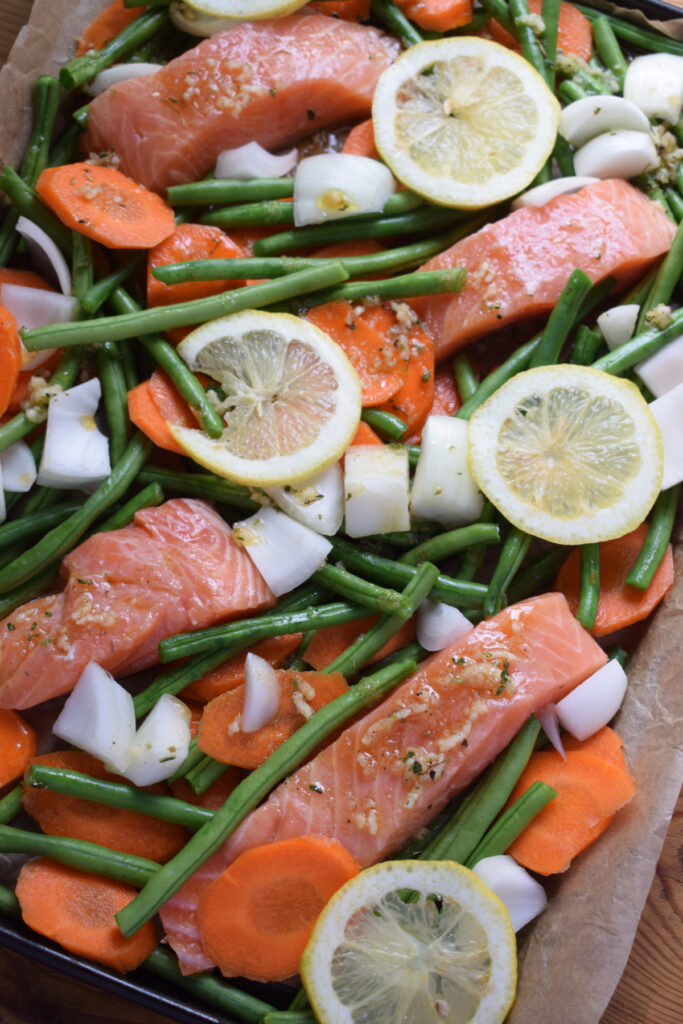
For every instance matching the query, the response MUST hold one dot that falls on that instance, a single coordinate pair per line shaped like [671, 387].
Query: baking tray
[142, 987]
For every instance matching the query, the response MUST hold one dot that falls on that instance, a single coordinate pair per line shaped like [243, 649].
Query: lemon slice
[447, 957]
[568, 453]
[292, 397]
[463, 121]
[246, 10]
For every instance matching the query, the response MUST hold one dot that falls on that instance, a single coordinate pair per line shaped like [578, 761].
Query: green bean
[251, 791]
[607, 45]
[267, 213]
[404, 286]
[350, 661]
[9, 904]
[66, 147]
[499, 10]
[465, 378]
[459, 593]
[513, 821]
[512, 555]
[561, 319]
[200, 485]
[535, 576]
[666, 279]
[115, 395]
[384, 423]
[115, 794]
[83, 69]
[10, 805]
[27, 591]
[205, 773]
[194, 756]
[79, 854]
[151, 496]
[290, 1017]
[229, 1000]
[378, 599]
[617, 653]
[428, 219]
[569, 91]
[675, 201]
[461, 835]
[62, 538]
[393, 17]
[64, 376]
[654, 41]
[82, 270]
[435, 549]
[80, 116]
[655, 192]
[639, 347]
[97, 295]
[657, 540]
[564, 156]
[228, 190]
[183, 314]
[518, 361]
[589, 590]
[405, 538]
[531, 49]
[550, 12]
[300, 1001]
[26, 202]
[474, 556]
[587, 344]
[35, 524]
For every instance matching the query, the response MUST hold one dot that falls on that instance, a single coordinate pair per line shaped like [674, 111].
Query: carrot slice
[25, 278]
[330, 641]
[604, 743]
[215, 796]
[230, 675]
[591, 787]
[10, 358]
[154, 404]
[347, 10]
[119, 829]
[361, 140]
[256, 918]
[365, 435]
[619, 604]
[106, 26]
[77, 911]
[363, 339]
[437, 15]
[412, 403]
[106, 205]
[574, 35]
[446, 400]
[190, 242]
[301, 693]
[17, 746]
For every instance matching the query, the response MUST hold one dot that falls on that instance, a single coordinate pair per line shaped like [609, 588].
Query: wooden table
[650, 991]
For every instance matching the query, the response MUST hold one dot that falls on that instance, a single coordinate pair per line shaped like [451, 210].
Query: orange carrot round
[274, 650]
[347, 10]
[17, 746]
[446, 400]
[574, 35]
[106, 26]
[77, 911]
[106, 205]
[361, 140]
[329, 642]
[10, 358]
[119, 829]
[154, 404]
[25, 278]
[619, 604]
[256, 918]
[412, 403]
[437, 15]
[190, 242]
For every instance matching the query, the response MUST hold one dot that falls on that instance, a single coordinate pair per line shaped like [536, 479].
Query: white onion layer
[18, 468]
[594, 702]
[443, 487]
[285, 552]
[668, 411]
[523, 896]
[542, 194]
[586, 118]
[35, 307]
[654, 82]
[161, 743]
[120, 73]
[439, 625]
[376, 489]
[317, 502]
[547, 716]
[253, 161]
[663, 371]
[45, 254]
[620, 154]
[98, 717]
[261, 694]
[333, 185]
[618, 324]
[76, 452]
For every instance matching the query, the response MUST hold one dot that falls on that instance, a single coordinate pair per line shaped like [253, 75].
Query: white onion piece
[261, 694]
[376, 489]
[523, 896]
[439, 625]
[594, 702]
[668, 411]
[542, 194]
[654, 82]
[253, 161]
[161, 743]
[585, 118]
[317, 502]
[45, 254]
[35, 307]
[76, 453]
[664, 370]
[333, 185]
[120, 73]
[18, 468]
[620, 154]
[443, 487]
[547, 716]
[195, 23]
[285, 552]
[618, 324]
[98, 717]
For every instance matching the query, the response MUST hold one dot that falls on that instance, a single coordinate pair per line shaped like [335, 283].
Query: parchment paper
[572, 957]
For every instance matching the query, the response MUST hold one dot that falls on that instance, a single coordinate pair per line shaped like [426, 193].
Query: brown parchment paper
[572, 957]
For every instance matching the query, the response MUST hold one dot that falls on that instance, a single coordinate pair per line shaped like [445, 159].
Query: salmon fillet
[176, 568]
[269, 81]
[390, 772]
[518, 266]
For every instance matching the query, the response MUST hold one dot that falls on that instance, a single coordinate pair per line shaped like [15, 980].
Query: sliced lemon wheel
[463, 121]
[445, 954]
[292, 400]
[567, 453]
[246, 10]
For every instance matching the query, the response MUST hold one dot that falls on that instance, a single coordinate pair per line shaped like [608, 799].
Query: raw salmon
[394, 769]
[272, 81]
[176, 568]
[518, 266]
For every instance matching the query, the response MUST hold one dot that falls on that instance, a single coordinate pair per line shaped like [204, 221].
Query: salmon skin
[517, 266]
[390, 772]
[175, 568]
[269, 81]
